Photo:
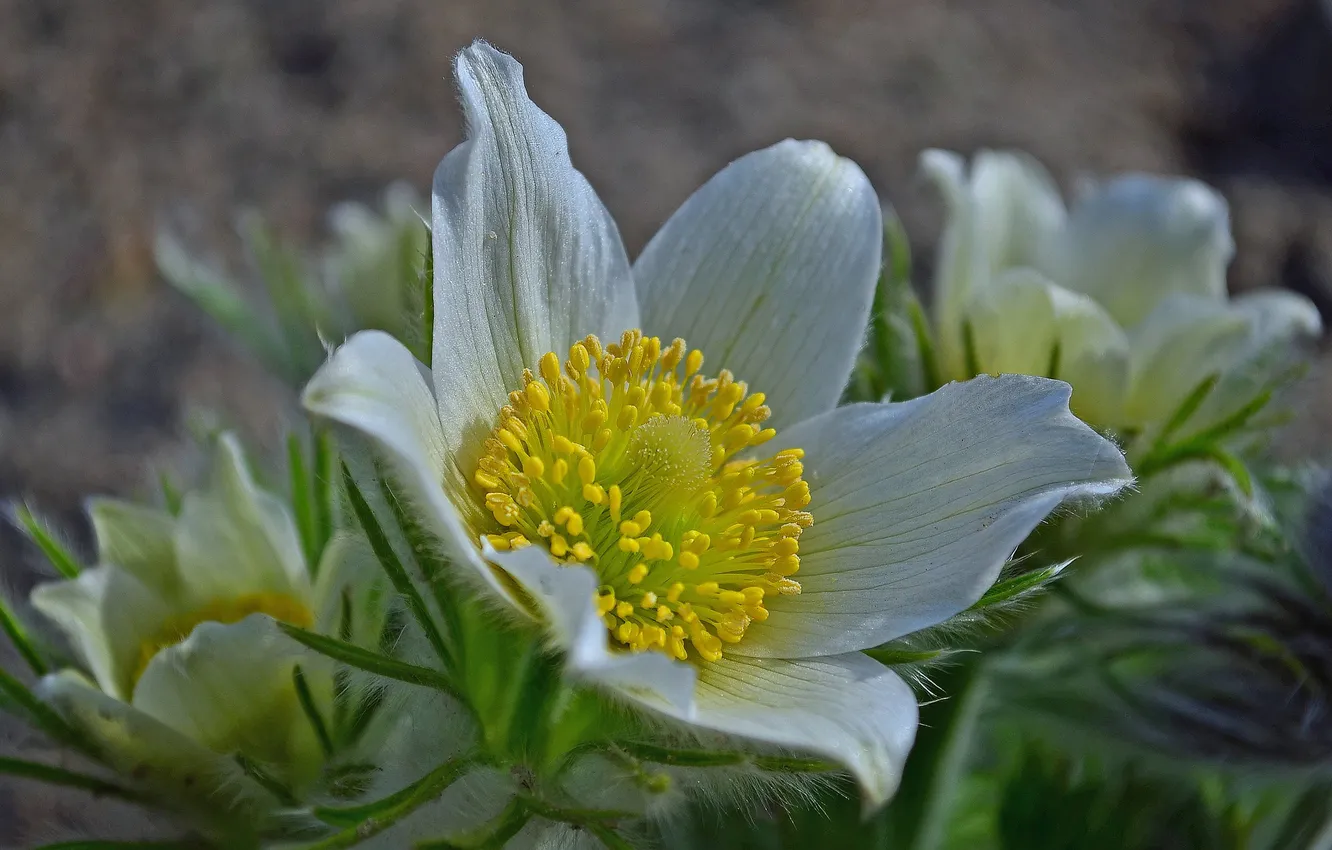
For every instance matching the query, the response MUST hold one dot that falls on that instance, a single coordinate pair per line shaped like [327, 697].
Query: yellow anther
[786, 566]
[649, 600]
[689, 560]
[673, 594]
[582, 551]
[587, 469]
[693, 362]
[643, 519]
[594, 493]
[550, 368]
[631, 528]
[615, 501]
[602, 438]
[628, 417]
[510, 440]
[638, 573]
[501, 544]
[545, 529]
[533, 466]
[664, 613]
[563, 444]
[786, 546]
[485, 481]
[559, 470]
[624, 608]
[627, 544]
[578, 357]
[671, 357]
[593, 421]
[763, 436]
[538, 397]
[605, 602]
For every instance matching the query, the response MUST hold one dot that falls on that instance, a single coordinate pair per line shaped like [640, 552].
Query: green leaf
[266, 780]
[302, 502]
[929, 362]
[311, 710]
[972, 359]
[299, 315]
[50, 774]
[363, 821]
[41, 715]
[371, 662]
[19, 637]
[1188, 407]
[388, 560]
[1009, 589]
[494, 834]
[59, 556]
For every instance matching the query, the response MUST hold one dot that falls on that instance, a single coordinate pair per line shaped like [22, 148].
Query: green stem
[953, 759]
[492, 835]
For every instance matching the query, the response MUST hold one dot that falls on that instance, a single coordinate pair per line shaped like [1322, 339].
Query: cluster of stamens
[631, 462]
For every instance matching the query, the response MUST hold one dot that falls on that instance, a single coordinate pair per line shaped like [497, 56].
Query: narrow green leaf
[490, 836]
[59, 556]
[388, 560]
[171, 497]
[306, 700]
[302, 502]
[1188, 407]
[39, 713]
[362, 822]
[710, 758]
[371, 662]
[971, 358]
[929, 362]
[50, 774]
[891, 656]
[1056, 356]
[95, 844]
[428, 314]
[1006, 590]
[324, 492]
[281, 270]
[270, 783]
[19, 637]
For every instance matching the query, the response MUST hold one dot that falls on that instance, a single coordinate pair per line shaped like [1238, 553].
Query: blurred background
[118, 117]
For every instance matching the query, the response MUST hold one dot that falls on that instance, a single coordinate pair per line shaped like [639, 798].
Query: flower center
[279, 606]
[631, 462]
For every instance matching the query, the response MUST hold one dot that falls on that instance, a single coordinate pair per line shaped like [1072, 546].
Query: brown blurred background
[116, 113]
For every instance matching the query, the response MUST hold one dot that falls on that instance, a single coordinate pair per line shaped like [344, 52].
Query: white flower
[176, 626]
[716, 549]
[1124, 297]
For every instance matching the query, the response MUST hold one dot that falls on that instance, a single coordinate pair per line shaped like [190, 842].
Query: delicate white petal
[230, 688]
[1139, 238]
[1023, 324]
[527, 260]
[565, 595]
[153, 754]
[1012, 325]
[106, 612]
[139, 539]
[917, 506]
[266, 518]
[1186, 340]
[996, 220]
[848, 708]
[1277, 315]
[769, 269]
[350, 571]
[373, 385]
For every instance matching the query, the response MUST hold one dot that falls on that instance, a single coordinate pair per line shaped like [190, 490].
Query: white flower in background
[699, 527]
[176, 626]
[1124, 297]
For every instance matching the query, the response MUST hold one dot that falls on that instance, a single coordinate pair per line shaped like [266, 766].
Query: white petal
[769, 269]
[374, 385]
[917, 506]
[998, 219]
[230, 688]
[349, 570]
[151, 753]
[847, 708]
[107, 613]
[1021, 319]
[1139, 238]
[565, 595]
[527, 260]
[1186, 340]
[139, 539]
[1278, 315]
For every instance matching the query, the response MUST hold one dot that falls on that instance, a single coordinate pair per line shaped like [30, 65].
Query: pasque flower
[697, 525]
[1124, 296]
[176, 625]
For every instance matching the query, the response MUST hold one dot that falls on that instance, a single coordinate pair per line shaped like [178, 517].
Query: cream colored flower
[176, 626]
[698, 526]
[1124, 297]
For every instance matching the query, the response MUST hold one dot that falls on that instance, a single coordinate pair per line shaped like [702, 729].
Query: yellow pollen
[628, 460]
